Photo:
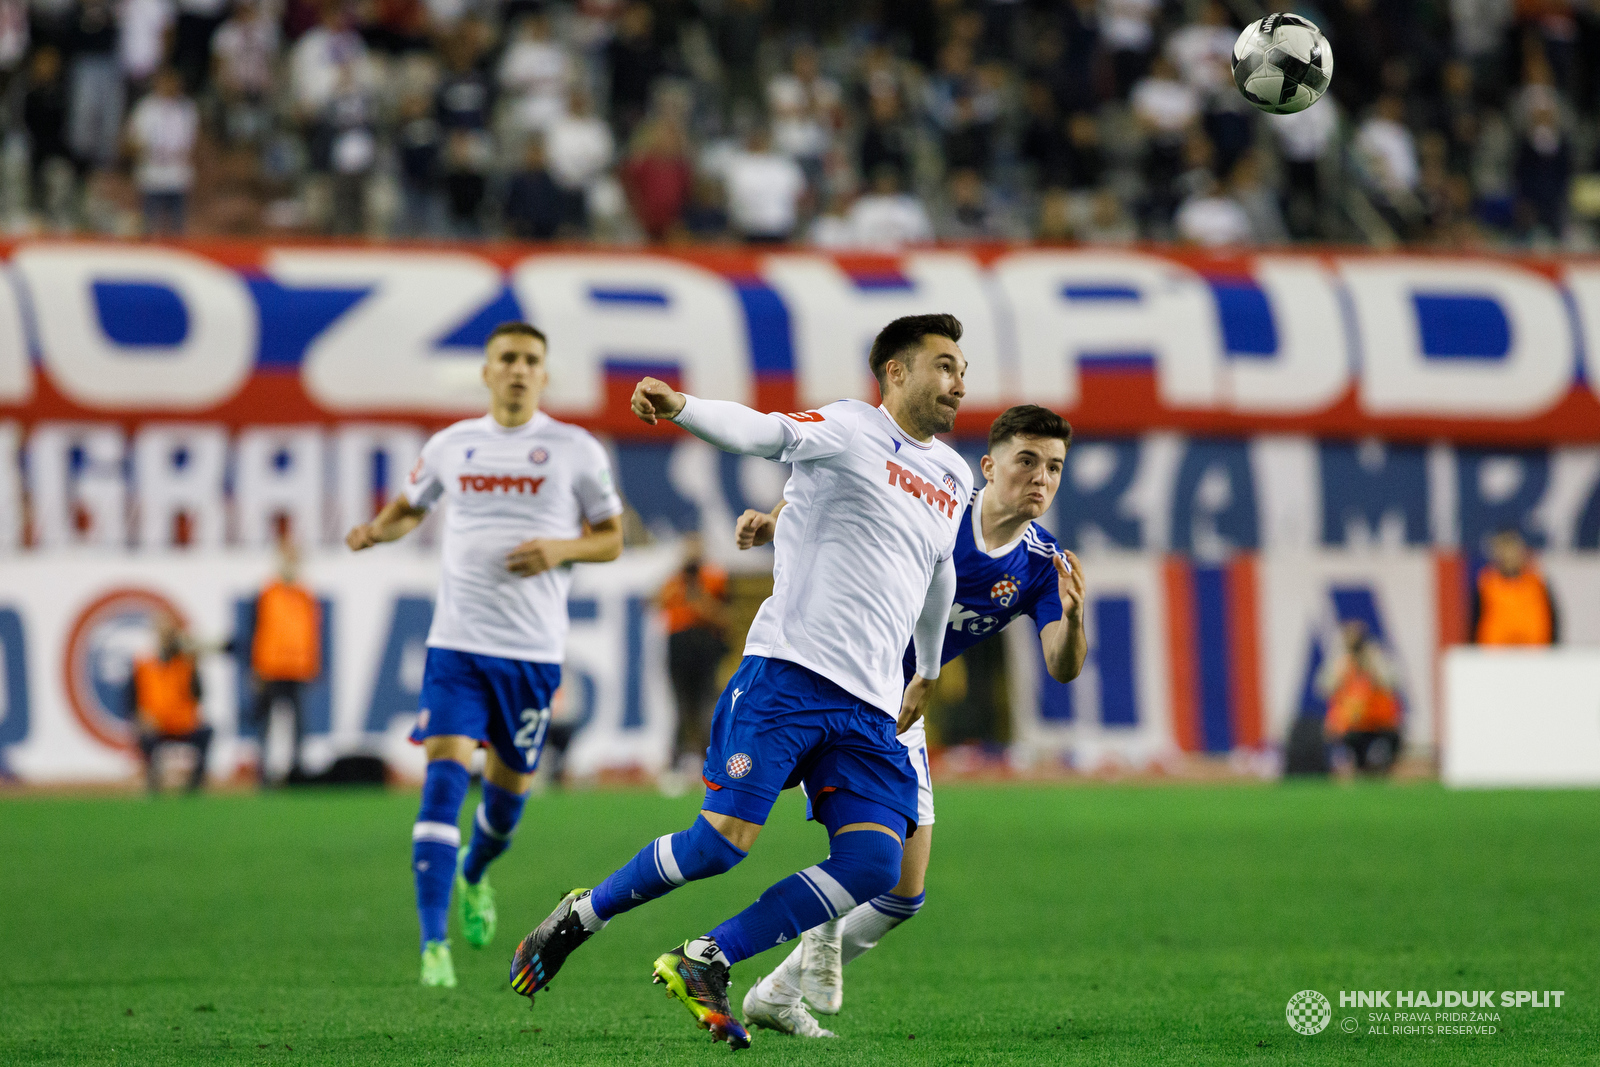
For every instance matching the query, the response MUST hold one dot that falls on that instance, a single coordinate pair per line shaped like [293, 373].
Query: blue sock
[491, 829]
[862, 864]
[435, 839]
[663, 865]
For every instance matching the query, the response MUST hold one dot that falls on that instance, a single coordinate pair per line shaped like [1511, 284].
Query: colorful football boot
[542, 952]
[694, 975]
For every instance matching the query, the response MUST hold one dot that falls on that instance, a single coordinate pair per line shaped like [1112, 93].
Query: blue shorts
[504, 702]
[778, 725]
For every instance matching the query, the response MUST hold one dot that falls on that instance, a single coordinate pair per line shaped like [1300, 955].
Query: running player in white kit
[864, 568]
[528, 497]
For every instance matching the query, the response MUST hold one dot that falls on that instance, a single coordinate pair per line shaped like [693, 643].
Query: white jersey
[871, 512]
[542, 479]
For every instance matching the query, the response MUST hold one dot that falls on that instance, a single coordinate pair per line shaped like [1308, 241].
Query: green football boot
[437, 970]
[477, 910]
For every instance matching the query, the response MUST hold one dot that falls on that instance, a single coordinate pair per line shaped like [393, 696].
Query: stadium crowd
[839, 123]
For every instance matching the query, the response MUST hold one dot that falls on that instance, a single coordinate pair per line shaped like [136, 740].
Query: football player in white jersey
[864, 568]
[529, 496]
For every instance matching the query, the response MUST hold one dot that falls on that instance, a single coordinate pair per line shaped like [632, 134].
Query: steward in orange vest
[285, 650]
[1511, 603]
[1363, 707]
[164, 695]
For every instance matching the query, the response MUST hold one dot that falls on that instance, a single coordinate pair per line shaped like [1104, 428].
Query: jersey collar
[977, 531]
[907, 438]
[538, 420]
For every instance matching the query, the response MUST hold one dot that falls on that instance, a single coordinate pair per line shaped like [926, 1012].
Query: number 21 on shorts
[530, 737]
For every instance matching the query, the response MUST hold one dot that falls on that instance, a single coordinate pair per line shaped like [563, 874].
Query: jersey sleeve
[425, 484]
[1046, 607]
[596, 489]
[819, 434]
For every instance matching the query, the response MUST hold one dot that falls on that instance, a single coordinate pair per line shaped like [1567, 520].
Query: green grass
[1140, 925]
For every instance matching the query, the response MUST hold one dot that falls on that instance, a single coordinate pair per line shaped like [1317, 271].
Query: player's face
[934, 384]
[514, 370]
[1025, 472]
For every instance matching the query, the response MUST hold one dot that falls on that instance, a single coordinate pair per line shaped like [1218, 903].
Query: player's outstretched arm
[731, 427]
[599, 543]
[397, 519]
[757, 528]
[1065, 643]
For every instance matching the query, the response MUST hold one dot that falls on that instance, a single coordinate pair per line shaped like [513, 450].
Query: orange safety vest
[675, 607]
[1360, 705]
[1513, 609]
[287, 646]
[164, 694]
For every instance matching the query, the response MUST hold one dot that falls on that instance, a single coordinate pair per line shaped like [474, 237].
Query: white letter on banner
[382, 354]
[278, 471]
[834, 321]
[634, 309]
[76, 481]
[10, 486]
[1399, 378]
[358, 492]
[1311, 369]
[16, 375]
[205, 366]
[1068, 305]
[178, 469]
[1584, 282]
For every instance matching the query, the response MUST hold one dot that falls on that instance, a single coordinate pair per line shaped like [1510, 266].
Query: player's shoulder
[959, 469]
[846, 410]
[1040, 542]
[567, 432]
[457, 430]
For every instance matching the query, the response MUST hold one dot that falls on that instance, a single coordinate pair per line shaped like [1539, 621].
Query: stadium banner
[71, 623]
[1483, 350]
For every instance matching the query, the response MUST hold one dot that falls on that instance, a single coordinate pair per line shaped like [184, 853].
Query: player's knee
[698, 852]
[865, 864]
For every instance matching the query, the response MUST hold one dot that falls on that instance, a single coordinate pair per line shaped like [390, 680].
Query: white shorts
[916, 739]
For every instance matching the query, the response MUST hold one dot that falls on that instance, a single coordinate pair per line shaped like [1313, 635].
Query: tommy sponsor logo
[931, 494]
[1004, 591]
[490, 483]
[739, 765]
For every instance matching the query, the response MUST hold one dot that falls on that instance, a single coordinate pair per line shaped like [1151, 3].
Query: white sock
[868, 922]
[586, 914]
[782, 986]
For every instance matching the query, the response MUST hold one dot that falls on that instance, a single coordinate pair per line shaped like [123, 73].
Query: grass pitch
[1097, 924]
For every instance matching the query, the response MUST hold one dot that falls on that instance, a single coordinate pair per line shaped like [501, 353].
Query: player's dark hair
[1028, 420]
[904, 334]
[516, 329]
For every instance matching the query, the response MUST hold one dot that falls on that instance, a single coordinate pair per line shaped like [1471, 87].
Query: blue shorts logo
[738, 765]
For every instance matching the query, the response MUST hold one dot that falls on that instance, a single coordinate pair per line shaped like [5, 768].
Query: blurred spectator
[1511, 603]
[1305, 140]
[1363, 708]
[1248, 188]
[44, 117]
[245, 57]
[706, 217]
[1127, 31]
[1107, 223]
[832, 228]
[466, 162]
[888, 216]
[95, 99]
[161, 133]
[806, 111]
[164, 701]
[350, 151]
[534, 74]
[285, 652]
[144, 33]
[419, 145]
[395, 26]
[1543, 172]
[1166, 110]
[198, 22]
[634, 59]
[764, 191]
[1202, 52]
[1212, 219]
[1065, 152]
[14, 37]
[465, 97]
[658, 178]
[693, 605]
[738, 29]
[318, 58]
[580, 150]
[886, 137]
[970, 212]
[534, 208]
[1388, 151]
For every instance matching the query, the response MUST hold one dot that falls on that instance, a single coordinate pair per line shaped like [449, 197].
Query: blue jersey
[994, 587]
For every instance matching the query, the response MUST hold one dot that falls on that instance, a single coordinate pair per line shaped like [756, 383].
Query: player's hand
[754, 529]
[1069, 583]
[534, 557]
[918, 692]
[654, 399]
[362, 535]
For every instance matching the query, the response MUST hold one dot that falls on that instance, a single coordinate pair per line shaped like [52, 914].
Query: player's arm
[927, 642]
[398, 518]
[1064, 641]
[600, 542]
[731, 427]
[757, 528]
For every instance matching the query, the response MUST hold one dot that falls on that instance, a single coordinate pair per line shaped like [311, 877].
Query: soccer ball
[1282, 63]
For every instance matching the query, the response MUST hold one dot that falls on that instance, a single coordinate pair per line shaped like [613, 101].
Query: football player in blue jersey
[1006, 565]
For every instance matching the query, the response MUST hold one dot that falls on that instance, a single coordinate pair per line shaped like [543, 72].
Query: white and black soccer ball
[1282, 63]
